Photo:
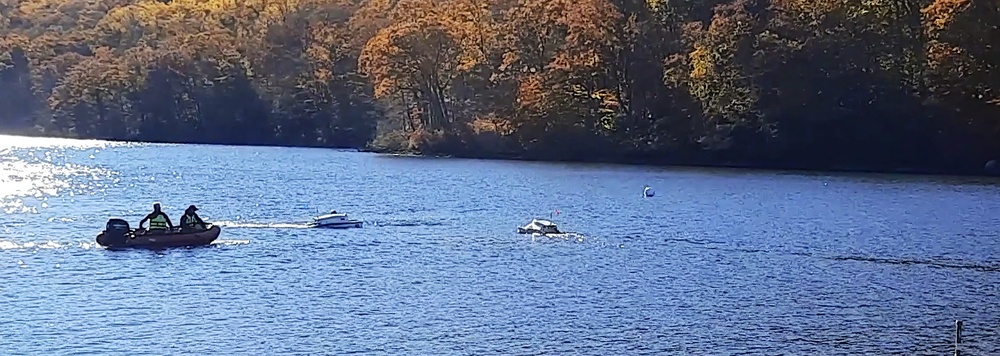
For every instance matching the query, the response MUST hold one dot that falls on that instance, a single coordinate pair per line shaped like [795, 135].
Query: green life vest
[190, 221]
[158, 222]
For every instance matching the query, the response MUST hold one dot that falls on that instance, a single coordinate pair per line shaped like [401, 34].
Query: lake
[719, 262]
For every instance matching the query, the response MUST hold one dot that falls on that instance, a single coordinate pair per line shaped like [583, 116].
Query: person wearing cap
[159, 222]
[191, 222]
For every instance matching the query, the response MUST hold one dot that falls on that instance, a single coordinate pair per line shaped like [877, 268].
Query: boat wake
[252, 225]
[307, 225]
[565, 236]
[408, 222]
[45, 245]
[230, 242]
[405, 224]
[13, 246]
[934, 262]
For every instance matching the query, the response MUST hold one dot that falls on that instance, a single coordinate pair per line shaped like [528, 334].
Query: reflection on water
[719, 262]
[25, 182]
[34, 169]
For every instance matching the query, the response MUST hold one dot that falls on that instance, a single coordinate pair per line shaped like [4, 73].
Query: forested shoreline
[840, 84]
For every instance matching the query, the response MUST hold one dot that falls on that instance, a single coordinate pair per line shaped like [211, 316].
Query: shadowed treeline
[878, 84]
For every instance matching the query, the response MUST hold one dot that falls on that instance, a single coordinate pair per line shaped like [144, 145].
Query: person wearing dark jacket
[191, 222]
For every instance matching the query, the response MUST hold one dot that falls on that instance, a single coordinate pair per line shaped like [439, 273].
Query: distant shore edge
[664, 162]
[635, 160]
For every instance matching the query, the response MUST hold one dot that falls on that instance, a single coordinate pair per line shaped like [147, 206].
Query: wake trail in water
[931, 262]
[253, 225]
[45, 245]
[306, 225]
[13, 246]
[230, 242]
[406, 223]
[919, 261]
[566, 236]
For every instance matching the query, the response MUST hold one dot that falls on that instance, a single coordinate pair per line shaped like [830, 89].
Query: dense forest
[867, 84]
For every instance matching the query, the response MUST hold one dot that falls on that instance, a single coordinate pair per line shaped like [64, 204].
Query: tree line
[886, 84]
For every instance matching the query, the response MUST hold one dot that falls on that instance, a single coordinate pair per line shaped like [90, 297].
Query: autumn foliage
[824, 83]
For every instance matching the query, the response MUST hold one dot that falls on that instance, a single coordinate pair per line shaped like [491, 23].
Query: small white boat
[335, 220]
[647, 191]
[539, 226]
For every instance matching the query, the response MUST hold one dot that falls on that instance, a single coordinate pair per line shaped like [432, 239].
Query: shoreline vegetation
[822, 85]
[658, 162]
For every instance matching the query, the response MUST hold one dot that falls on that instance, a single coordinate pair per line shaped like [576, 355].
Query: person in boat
[191, 222]
[159, 222]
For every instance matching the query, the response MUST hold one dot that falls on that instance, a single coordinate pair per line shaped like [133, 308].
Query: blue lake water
[719, 262]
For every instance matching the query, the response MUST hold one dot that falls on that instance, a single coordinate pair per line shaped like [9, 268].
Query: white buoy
[648, 191]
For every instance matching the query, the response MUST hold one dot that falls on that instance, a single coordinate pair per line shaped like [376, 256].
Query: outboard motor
[116, 232]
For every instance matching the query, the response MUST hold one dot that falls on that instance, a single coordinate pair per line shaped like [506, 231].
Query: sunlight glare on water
[34, 169]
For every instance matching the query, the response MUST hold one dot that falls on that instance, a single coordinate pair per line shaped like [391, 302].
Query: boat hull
[338, 225]
[522, 230]
[538, 226]
[174, 239]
